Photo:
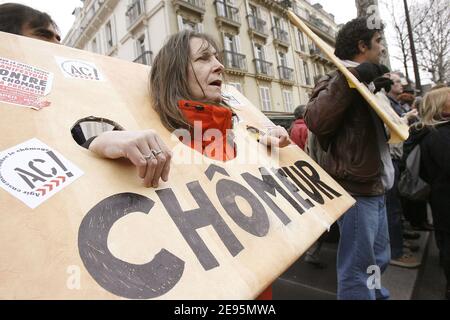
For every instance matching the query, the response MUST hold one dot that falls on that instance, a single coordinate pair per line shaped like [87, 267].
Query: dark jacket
[397, 106]
[435, 169]
[342, 121]
[299, 133]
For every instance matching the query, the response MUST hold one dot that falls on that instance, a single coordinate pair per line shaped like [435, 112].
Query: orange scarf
[210, 143]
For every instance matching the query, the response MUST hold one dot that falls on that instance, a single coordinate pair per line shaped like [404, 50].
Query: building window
[255, 21]
[135, 10]
[277, 22]
[186, 24]
[306, 71]
[283, 60]
[254, 11]
[259, 52]
[288, 101]
[227, 9]
[285, 72]
[312, 48]
[279, 31]
[262, 66]
[94, 45]
[301, 41]
[231, 43]
[109, 35]
[143, 55]
[265, 98]
[141, 45]
[232, 58]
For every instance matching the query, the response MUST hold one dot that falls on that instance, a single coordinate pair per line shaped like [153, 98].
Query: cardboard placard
[399, 130]
[214, 231]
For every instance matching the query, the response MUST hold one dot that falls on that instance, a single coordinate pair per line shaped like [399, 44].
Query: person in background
[298, 131]
[407, 100]
[415, 211]
[25, 21]
[432, 133]
[394, 93]
[400, 256]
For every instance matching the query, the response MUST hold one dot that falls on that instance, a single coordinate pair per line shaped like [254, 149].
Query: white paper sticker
[24, 85]
[79, 69]
[33, 172]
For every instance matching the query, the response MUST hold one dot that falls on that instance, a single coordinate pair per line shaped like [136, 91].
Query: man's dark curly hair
[349, 36]
[14, 16]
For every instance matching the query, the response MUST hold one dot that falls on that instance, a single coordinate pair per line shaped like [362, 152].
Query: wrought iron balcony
[197, 6]
[324, 29]
[286, 73]
[285, 3]
[322, 26]
[280, 35]
[264, 68]
[317, 54]
[95, 10]
[145, 58]
[134, 11]
[227, 13]
[234, 60]
[90, 14]
[256, 24]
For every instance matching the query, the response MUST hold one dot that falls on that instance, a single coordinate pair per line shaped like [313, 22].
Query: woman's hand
[276, 137]
[145, 149]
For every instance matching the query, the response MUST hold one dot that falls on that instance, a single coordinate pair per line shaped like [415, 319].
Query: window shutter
[180, 23]
[238, 43]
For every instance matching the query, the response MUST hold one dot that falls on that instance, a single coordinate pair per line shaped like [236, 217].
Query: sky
[343, 10]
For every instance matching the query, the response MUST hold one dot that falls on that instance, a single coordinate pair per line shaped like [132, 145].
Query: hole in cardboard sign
[85, 130]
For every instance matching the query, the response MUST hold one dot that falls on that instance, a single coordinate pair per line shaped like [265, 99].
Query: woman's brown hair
[169, 77]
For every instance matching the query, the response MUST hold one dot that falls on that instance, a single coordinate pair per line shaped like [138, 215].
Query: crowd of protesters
[341, 132]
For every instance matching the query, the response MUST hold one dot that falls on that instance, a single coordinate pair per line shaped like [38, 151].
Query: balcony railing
[234, 60]
[280, 34]
[263, 67]
[90, 13]
[145, 58]
[286, 73]
[193, 5]
[322, 26]
[196, 3]
[285, 3]
[135, 10]
[315, 21]
[257, 24]
[226, 11]
[316, 53]
[85, 21]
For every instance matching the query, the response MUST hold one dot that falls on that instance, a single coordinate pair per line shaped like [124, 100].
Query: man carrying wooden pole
[354, 141]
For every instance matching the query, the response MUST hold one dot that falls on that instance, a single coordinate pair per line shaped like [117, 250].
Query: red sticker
[24, 85]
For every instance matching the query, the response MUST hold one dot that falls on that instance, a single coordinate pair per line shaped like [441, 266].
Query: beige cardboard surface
[213, 231]
[399, 130]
